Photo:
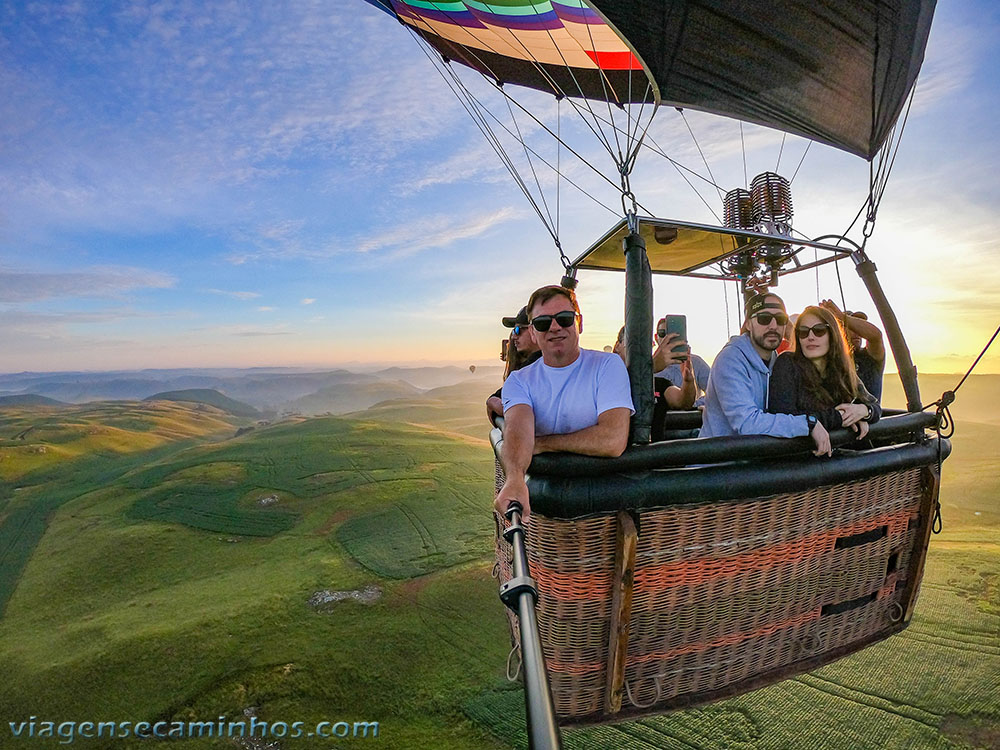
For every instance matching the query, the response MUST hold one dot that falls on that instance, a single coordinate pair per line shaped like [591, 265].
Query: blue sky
[232, 184]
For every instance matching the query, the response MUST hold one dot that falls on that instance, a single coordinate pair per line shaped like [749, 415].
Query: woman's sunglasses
[565, 319]
[819, 330]
[765, 318]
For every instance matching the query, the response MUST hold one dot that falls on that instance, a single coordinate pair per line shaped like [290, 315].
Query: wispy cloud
[440, 231]
[26, 286]
[266, 308]
[234, 295]
[945, 74]
[399, 241]
[308, 300]
[222, 101]
[263, 333]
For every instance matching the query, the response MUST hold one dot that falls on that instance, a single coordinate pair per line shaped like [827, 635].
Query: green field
[173, 582]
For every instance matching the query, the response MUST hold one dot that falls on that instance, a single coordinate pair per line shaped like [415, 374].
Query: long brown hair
[516, 359]
[839, 384]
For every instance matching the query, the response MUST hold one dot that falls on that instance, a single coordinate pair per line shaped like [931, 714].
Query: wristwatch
[811, 422]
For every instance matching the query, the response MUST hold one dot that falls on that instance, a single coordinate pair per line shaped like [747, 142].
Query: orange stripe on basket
[572, 586]
[574, 668]
[580, 585]
[729, 640]
[704, 569]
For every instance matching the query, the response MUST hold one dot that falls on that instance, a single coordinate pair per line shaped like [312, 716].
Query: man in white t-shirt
[572, 399]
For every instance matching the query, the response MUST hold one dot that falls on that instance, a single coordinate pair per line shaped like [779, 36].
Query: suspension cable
[808, 146]
[544, 161]
[531, 165]
[566, 145]
[942, 405]
[743, 147]
[470, 106]
[698, 146]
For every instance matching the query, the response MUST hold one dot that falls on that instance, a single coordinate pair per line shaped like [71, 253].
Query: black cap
[764, 301]
[521, 319]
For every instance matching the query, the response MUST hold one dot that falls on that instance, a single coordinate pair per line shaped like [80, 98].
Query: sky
[221, 184]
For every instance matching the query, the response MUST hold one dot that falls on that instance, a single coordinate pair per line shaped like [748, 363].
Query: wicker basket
[722, 596]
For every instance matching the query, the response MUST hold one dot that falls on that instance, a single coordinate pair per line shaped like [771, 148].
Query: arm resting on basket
[608, 437]
[518, 447]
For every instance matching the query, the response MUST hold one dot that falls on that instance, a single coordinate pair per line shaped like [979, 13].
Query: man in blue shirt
[736, 399]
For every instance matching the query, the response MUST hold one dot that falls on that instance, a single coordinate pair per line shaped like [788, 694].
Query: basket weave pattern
[723, 592]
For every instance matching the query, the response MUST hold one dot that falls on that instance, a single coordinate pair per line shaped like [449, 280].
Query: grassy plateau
[154, 567]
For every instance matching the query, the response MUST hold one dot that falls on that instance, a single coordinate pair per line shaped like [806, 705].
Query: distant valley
[266, 392]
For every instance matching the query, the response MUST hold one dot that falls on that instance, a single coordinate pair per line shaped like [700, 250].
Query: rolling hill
[348, 397]
[338, 569]
[209, 397]
[29, 399]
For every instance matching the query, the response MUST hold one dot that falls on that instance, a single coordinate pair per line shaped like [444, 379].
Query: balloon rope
[569, 148]
[981, 354]
[725, 294]
[558, 160]
[475, 110]
[531, 166]
[743, 147]
[843, 300]
[808, 146]
[698, 146]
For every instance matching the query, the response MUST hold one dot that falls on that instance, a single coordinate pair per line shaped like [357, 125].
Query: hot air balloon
[472, 368]
[680, 572]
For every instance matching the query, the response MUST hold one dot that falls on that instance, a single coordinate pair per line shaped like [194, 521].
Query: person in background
[817, 377]
[521, 351]
[737, 398]
[788, 336]
[869, 360]
[572, 399]
[667, 393]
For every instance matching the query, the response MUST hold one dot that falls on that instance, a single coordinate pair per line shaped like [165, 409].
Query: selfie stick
[520, 595]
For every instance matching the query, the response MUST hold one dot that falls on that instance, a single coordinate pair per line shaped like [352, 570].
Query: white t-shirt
[570, 399]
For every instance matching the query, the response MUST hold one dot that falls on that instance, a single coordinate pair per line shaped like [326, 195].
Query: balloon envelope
[835, 71]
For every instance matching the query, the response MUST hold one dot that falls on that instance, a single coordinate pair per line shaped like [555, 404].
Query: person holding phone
[668, 394]
[737, 398]
[672, 350]
[817, 377]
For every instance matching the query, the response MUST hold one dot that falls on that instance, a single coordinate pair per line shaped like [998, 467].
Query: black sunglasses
[819, 330]
[765, 318]
[565, 319]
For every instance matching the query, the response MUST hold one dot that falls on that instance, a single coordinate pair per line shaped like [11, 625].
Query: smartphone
[676, 324]
[503, 349]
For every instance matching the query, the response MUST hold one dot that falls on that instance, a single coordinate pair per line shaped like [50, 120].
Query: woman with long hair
[521, 352]
[817, 377]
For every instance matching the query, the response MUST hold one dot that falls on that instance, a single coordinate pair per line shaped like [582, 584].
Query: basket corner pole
[626, 540]
[639, 335]
[900, 351]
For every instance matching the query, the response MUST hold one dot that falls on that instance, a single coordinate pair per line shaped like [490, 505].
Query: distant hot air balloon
[472, 368]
